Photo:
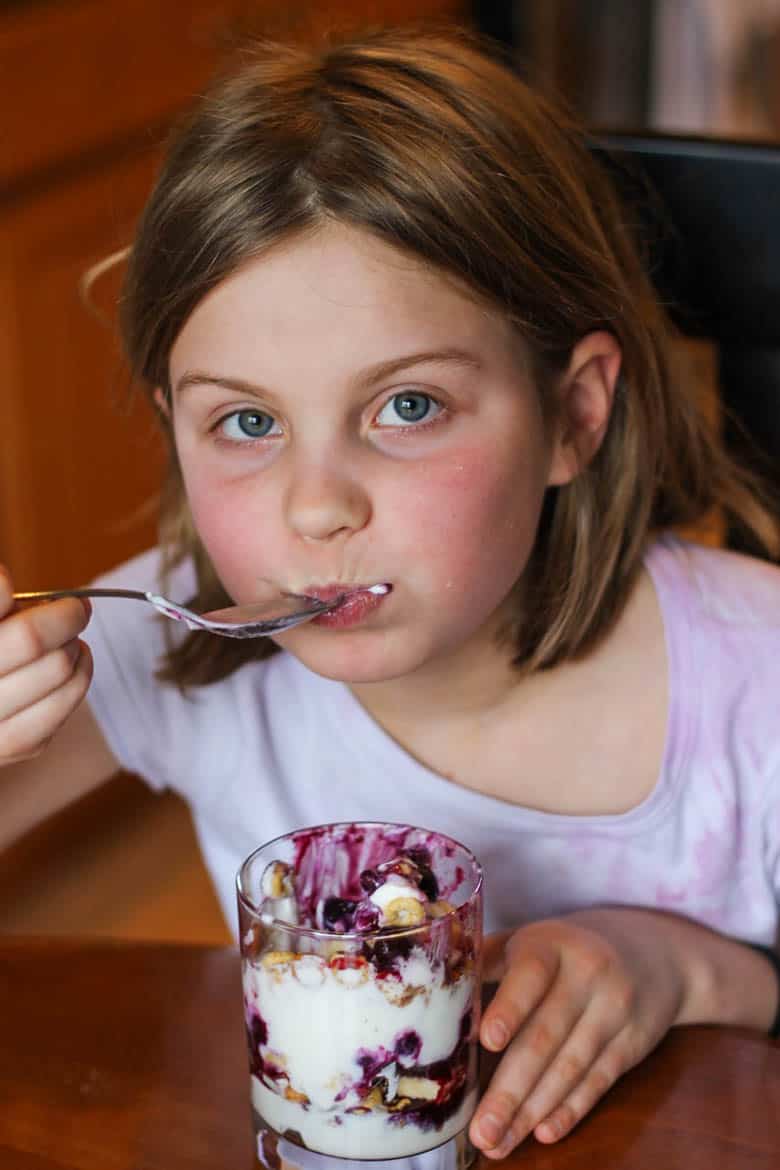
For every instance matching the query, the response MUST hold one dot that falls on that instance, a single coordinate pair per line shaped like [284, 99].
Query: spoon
[237, 621]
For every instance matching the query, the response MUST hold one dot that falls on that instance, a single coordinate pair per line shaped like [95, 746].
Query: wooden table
[132, 1057]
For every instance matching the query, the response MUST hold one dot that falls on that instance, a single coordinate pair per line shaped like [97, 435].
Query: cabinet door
[80, 463]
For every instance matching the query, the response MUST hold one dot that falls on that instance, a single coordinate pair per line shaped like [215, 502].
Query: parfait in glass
[361, 949]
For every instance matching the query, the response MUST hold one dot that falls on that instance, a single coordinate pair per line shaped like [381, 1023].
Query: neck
[467, 684]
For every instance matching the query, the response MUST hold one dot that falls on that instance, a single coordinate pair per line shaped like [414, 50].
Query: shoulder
[191, 741]
[144, 572]
[128, 636]
[724, 588]
[721, 613]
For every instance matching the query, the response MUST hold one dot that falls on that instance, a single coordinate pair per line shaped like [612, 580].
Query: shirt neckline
[361, 735]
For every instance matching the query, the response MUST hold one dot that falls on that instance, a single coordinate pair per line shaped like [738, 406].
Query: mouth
[353, 603]
[345, 592]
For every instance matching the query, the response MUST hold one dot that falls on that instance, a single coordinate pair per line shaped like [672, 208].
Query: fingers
[494, 960]
[44, 670]
[27, 685]
[6, 592]
[507, 1111]
[578, 1074]
[610, 1064]
[524, 986]
[26, 733]
[27, 635]
[569, 1021]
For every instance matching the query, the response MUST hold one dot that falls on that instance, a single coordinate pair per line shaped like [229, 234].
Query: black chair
[711, 213]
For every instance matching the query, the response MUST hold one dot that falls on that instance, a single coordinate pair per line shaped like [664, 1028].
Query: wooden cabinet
[89, 90]
[78, 461]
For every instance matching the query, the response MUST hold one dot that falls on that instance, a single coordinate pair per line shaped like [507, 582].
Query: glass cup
[361, 947]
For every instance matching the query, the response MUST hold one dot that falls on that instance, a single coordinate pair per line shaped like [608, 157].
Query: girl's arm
[584, 998]
[724, 981]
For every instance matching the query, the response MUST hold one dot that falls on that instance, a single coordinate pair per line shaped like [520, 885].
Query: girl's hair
[435, 147]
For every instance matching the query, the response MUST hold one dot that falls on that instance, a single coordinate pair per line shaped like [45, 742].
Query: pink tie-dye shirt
[275, 747]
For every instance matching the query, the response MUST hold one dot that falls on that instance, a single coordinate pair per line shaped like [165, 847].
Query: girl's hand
[580, 1001]
[44, 670]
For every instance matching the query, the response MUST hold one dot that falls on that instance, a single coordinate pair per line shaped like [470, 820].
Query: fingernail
[489, 1128]
[506, 1147]
[548, 1131]
[497, 1034]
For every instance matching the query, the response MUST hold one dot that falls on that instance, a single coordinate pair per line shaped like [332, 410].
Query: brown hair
[426, 141]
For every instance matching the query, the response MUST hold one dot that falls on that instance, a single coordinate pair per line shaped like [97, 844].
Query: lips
[331, 592]
[359, 601]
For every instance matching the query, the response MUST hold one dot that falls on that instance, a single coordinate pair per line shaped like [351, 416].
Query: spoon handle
[54, 594]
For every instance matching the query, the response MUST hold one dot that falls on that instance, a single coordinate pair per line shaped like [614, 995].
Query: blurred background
[88, 92]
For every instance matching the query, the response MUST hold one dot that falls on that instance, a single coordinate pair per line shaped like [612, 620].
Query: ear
[585, 396]
[161, 402]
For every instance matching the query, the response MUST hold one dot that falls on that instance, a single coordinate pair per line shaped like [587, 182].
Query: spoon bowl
[257, 620]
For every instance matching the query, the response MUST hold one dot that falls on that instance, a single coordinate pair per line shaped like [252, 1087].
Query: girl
[397, 333]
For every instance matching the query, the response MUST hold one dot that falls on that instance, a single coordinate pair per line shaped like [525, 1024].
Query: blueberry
[386, 952]
[427, 879]
[428, 883]
[370, 880]
[408, 1045]
[338, 914]
[366, 918]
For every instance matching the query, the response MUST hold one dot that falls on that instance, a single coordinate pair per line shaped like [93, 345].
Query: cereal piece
[277, 880]
[399, 1105]
[349, 970]
[294, 1095]
[404, 912]
[418, 1088]
[277, 1060]
[397, 992]
[373, 1099]
[309, 970]
[277, 958]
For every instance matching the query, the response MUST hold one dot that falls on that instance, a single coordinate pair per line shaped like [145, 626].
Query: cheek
[235, 528]
[476, 517]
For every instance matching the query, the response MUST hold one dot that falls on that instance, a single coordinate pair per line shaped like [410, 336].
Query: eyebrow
[366, 379]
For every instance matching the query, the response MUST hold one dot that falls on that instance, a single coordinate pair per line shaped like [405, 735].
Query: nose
[326, 501]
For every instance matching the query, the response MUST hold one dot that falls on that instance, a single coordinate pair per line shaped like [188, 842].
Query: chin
[349, 659]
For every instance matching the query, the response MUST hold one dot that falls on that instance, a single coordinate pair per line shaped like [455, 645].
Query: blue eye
[408, 408]
[248, 424]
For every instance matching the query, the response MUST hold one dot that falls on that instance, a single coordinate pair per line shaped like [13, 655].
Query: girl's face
[346, 418]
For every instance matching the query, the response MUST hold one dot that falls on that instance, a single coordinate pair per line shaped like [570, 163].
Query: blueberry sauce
[381, 1067]
[257, 1035]
[351, 861]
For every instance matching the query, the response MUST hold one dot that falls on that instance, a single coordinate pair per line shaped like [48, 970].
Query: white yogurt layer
[320, 1019]
[356, 1135]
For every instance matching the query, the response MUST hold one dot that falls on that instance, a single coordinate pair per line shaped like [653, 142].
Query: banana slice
[404, 912]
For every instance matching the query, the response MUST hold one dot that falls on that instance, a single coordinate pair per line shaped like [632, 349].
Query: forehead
[345, 286]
